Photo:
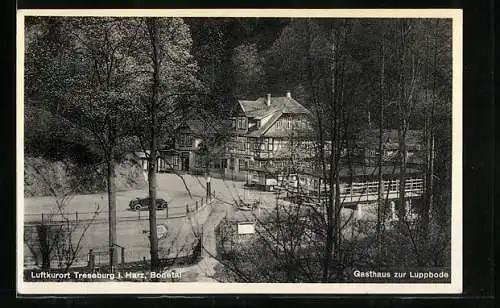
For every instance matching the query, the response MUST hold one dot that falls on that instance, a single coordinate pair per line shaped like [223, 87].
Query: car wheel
[137, 207]
[164, 205]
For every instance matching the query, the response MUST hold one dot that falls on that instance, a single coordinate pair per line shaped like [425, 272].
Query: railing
[102, 216]
[359, 189]
[366, 191]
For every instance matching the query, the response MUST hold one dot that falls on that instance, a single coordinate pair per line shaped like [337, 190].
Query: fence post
[42, 218]
[76, 216]
[196, 204]
[201, 201]
[166, 212]
[144, 260]
[187, 209]
[123, 255]
[139, 215]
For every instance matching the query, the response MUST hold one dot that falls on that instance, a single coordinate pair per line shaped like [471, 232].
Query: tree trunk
[428, 191]
[337, 226]
[402, 171]
[329, 237]
[429, 162]
[380, 205]
[111, 177]
[45, 245]
[153, 236]
[330, 210]
[402, 114]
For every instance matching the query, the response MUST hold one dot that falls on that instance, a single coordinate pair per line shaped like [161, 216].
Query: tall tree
[86, 80]
[154, 98]
[166, 91]
[435, 106]
[380, 197]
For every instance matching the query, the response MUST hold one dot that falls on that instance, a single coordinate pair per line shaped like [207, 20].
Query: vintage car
[143, 204]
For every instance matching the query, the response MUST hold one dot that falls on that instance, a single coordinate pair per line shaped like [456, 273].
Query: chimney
[288, 94]
[268, 100]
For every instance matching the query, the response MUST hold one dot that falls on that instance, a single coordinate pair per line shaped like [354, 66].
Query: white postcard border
[455, 287]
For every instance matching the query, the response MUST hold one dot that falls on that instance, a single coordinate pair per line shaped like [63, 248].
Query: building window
[270, 144]
[243, 165]
[241, 145]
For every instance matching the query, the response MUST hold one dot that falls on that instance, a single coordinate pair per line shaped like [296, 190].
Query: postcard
[275, 151]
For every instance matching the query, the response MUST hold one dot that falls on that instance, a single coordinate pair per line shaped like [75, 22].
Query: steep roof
[278, 106]
[259, 132]
[258, 108]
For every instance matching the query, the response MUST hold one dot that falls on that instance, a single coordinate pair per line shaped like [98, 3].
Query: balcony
[364, 192]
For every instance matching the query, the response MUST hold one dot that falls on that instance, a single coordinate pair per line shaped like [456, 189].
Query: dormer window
[242, 123]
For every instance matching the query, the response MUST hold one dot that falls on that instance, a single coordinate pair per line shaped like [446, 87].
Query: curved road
[131, 232]
[171, 187]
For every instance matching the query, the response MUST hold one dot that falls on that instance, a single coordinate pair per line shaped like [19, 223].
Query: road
[171, 187]
[131, 234]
